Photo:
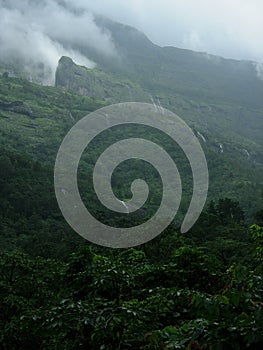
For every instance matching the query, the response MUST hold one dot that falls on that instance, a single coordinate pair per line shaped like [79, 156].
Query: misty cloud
[43, 31]
[259, 70]
[232, 29]
[40, 33]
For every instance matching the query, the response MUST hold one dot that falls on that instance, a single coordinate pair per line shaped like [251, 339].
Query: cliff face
[95, 83]
[73, 77]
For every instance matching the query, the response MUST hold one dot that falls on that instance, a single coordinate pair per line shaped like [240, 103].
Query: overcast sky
[45, 30]
[230, 28]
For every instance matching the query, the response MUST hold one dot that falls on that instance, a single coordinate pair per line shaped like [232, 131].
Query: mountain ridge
[230, 132]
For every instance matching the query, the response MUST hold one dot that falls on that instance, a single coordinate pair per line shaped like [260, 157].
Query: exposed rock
[94, 82]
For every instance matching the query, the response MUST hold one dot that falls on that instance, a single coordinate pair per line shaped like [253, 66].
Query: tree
[257, 235]
[229, 211]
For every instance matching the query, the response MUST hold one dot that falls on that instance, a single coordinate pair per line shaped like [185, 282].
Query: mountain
[218, 95]
[220, 100]
[196, 75]
[199, 290]
[96, 82]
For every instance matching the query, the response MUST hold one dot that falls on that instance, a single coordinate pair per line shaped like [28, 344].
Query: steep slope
[196, 75]
[221, 99]
[96, 83]
[224, 97]
[34, 120]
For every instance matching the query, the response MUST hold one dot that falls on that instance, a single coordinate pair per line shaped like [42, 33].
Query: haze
[232, 29]
[44, 31]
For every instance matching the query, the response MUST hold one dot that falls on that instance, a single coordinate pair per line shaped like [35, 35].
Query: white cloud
[259, 70]
[42, 33]
[222, 27]
[51, 28]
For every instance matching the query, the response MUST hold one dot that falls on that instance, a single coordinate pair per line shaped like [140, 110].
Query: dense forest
[193, 291]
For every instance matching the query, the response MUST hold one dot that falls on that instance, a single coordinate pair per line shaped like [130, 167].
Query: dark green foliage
[202, 290]
[34, 119]
[259, 217]
[170, 294]
[29, 215]
[257, 235]
[125, 302]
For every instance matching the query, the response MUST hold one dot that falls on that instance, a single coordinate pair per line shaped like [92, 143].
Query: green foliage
[122, 301]
[30, 219]
[257, 235]
[170, 294]
[202, 290]
[34, 118]
[259, 217]
[228, 210]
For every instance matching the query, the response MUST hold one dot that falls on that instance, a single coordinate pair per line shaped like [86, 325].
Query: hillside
[35, 119]
[194, 291]
[218, 96]
[220, 99]
[195, 75]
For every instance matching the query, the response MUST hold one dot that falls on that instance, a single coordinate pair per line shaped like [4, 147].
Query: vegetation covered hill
[218, 96]
[201, 290]
[194, 291]
[197, 76]
[220, 99]
[34, 120]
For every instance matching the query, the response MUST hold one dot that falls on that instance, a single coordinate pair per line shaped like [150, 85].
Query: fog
[229, 28]
[43, 31]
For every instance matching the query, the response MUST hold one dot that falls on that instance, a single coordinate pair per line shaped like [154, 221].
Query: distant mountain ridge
[217, 95]
[221, 100]
[183, 71]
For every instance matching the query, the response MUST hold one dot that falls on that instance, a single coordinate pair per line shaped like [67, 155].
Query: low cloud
[40, 33]
[259, 70]
[232, 29]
